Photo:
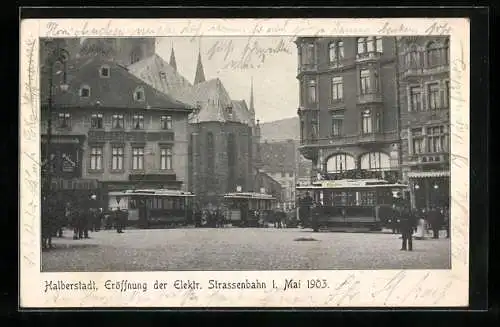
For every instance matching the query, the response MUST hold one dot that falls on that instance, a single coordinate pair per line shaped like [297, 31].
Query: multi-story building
[279, 162]
[425, 118]
[110, 128]
[348, 106]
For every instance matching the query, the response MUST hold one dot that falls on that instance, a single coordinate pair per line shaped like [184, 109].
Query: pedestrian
[406, 226]
[46, 225]
[435, 218]
[119, 220]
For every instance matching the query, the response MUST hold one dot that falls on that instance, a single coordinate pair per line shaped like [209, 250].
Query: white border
[360, 288]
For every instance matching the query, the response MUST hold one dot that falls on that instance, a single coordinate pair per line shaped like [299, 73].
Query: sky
[270, 61]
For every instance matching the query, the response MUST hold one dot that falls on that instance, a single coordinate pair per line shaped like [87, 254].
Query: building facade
[348, 106]
[425, 118]
[112, 131]
[279, 161]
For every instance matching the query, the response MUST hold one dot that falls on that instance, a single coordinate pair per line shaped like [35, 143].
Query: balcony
[372, 97]
[408, 72]
[371, 138]
[368, 56]
[336, 104]
[307, 68]
[130, 136]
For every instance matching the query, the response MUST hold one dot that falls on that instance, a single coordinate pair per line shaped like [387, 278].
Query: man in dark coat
[407, 222]
[435, 218]
[119, 220]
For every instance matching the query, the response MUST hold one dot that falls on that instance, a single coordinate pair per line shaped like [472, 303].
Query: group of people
[435, 219]
[79, 217]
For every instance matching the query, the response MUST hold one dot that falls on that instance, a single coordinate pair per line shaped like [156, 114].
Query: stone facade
[425, 118]
[348, 108]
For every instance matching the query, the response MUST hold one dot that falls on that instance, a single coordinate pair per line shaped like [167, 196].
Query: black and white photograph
[227, 153]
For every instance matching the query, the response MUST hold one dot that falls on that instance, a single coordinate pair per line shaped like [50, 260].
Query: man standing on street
[406, 227]
[119, 220]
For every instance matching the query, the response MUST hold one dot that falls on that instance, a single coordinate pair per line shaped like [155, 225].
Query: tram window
[180, 203]
[167, 204]
[367, 198]
[133, 204]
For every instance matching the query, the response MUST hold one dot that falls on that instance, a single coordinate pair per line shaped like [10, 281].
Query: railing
[429, 158]
[351, 139]
[370, 97]
[307, 68]
[372, 55]
[420, 71]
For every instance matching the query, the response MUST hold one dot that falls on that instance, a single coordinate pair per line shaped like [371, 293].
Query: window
[308, 58]
[416, 99]
[337, 89]
[139, 94]
[433, 54]
[369, 44]
[366, 122]
[117, 158]
[163, 75]
[64, 120]
[413, 57]
[433, 96]
[96, 158]
[336, 51]
[229, 112]
[210, 154]
[447, 95]
[166, 122]
[283, 174]
[375, 161]
[85, 91]
[378, 122]
[435, 139]
[417, 141]
[362, 45]
[166, 157]
[137, 158]
[290, 175]
[365, 81]
[367, 198]
[339, 163]
[138, 121]
[302, 129]
[232, 161]
[337, 124]
[117, 121]
[311, 91]
[96, 121]
[104, 71]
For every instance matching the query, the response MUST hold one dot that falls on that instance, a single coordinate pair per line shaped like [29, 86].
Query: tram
[248, 209]
[149, 208]
[346, 204]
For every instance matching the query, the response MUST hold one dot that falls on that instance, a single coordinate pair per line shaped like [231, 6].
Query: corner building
[348, 107]
[425, 118]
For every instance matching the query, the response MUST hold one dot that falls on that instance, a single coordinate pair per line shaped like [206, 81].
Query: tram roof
[248, 195]
[153, 192]
[351, 183]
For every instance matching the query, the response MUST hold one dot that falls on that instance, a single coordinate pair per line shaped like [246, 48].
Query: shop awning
[429, 174]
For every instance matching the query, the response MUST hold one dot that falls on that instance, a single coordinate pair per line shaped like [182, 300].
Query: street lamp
[436, 186]
[417, 186]
[55, 56]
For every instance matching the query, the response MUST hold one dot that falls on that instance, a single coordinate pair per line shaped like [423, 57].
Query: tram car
[248, 209]
[154, 208]
[346, 204]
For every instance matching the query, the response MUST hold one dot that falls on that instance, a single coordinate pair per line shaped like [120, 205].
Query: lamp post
[55, 56]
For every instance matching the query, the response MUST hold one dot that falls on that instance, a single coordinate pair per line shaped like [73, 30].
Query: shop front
[429, 189]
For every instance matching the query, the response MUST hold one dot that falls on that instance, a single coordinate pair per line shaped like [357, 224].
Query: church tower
[173, 62]
[200, 74]
[252, 109]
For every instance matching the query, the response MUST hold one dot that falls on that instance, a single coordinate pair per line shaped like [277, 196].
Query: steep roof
[241, 113]
[200, 73]
[159, 74]
[278, 156]
[115, 91]
[213, 100]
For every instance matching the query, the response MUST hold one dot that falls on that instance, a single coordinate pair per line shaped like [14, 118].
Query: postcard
[244, 163]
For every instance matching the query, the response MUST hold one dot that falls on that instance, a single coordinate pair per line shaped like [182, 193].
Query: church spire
[252, 109]
[200, 74]
[173, 63]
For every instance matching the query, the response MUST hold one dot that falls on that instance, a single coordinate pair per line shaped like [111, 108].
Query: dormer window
[163, 75]
[139, 94]
[104, 71]
[230, 112]
[85, 91]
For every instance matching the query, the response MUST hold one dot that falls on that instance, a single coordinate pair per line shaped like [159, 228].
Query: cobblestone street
[241, 249]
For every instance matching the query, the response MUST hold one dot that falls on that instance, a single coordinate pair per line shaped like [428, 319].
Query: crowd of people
[78, 217]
